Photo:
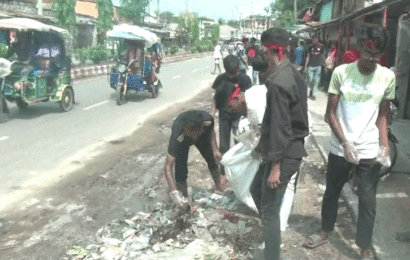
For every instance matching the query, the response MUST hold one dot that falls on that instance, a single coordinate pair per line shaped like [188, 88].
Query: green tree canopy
[215, 33]
[233, 23]
[133, 10]
[221, 21]
[283, 11]
[64, 12]
[167, 17]
[105, 14]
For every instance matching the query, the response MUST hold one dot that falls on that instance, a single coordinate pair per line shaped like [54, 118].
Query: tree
[105, 14]
[64, 12]
[215, 33]
[233, 23]
[167, 17]
[283, 11]
[221, 21]
[133, 10]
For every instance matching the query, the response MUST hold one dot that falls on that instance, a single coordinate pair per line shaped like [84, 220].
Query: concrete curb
[80, 72]
[351, 200]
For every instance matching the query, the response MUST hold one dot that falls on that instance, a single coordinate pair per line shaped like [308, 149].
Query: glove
[180, 201]
[350, 152]
[383, 156]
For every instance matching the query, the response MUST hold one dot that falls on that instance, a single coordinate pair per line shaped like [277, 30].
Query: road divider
[177, 77]
[96, 105]
[4, 138]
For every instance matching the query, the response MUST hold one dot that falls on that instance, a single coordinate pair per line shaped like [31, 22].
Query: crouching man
[193, 127]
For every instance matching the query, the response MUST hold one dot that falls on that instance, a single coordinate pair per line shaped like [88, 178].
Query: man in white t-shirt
[218, 57]
[357, 110]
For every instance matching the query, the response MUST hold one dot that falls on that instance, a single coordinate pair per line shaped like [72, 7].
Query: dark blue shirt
[300, 55]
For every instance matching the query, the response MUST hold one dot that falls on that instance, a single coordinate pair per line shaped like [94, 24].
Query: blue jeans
[313, 78]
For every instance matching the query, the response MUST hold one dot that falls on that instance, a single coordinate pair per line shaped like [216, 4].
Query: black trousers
[368, 177]
[181, 157]
[227, 123]
[268, 202]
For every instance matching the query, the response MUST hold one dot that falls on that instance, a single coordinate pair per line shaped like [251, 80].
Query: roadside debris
[207, 231]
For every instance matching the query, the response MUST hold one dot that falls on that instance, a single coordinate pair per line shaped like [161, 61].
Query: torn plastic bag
[240, 170]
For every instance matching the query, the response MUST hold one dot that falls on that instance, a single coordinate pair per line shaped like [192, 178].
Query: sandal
[403, 236]
[314, 241]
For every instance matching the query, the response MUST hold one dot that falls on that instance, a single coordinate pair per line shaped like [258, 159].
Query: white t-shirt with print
[358, 107]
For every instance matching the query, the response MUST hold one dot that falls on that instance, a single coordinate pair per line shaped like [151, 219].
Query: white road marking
[4, 138]
[194, 70]
[206, 67]
[177, 77]
[392, 195]
[98, 104]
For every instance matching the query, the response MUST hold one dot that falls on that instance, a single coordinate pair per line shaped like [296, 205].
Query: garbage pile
[207, 231]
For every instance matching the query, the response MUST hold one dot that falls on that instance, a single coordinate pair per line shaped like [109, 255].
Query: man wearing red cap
[284, 127]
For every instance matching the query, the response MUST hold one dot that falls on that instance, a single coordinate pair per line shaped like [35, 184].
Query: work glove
[180, 201]
[383, 156]
[350, 153]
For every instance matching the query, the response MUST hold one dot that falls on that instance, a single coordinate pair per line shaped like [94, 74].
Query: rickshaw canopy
[133, 32]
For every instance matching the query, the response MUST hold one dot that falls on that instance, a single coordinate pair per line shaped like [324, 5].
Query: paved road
[38, 146]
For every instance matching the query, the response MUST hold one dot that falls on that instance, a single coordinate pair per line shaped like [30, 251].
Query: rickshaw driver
[193, 127]
[133, 52]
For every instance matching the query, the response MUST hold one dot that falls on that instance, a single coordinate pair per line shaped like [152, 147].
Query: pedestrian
[251, 51]
[284, 127]
[357, 112]
[217, 57]
[330, 65]
[240, 53]
[228, 120]
[314, 61]
[300, 54]
[193, 127]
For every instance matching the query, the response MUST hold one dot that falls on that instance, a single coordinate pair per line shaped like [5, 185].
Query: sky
[225, 9]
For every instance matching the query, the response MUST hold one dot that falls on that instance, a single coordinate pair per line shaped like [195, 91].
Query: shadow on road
[132, 96]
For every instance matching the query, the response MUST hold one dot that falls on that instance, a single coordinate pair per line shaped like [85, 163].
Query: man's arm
[169, 164]
[307, 61]
[381, 123]
[331, 118]
[215, 148]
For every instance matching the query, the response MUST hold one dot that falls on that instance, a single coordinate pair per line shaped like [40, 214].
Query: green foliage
[167, 17]
[96, 54]
[221, 21]
[133, 10]
[233, 23]
[188, 27]
[105, 14]
[4, 50]
[215, 34]
[173, 49]
[283, 10]
[64, 11]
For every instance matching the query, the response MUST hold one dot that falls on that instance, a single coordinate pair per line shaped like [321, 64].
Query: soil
[128, 178]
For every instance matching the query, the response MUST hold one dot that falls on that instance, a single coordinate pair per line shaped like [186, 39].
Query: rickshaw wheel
[120, 94]
[67, 99]
[155, 90]
[21, 103]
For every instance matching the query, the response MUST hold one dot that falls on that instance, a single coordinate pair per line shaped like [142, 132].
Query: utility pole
[40, 7]
[296, 11]
[158, 11]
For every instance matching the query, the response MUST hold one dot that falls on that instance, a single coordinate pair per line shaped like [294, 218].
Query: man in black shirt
[193, 127]
[251, 51]
[228, 120]
[284, 126]
[314, 61]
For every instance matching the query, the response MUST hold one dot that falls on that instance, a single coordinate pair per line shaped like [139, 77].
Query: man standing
[284, 127]
[357, 112]
[217, 57]
[193, 127]
[314, 61]
[228, 120]
[300, 54]
[251, 51]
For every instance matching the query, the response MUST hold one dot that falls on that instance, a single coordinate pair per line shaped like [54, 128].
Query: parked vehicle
[136, 69]
[41, 68]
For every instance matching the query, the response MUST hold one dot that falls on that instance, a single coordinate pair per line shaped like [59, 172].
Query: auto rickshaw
[138, 63]
[41, 68]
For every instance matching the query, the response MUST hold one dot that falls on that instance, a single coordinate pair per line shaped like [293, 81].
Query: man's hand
[350, 153]
[256, 153]
[180, 201]
[218, 156]
[383, 156]
[273, 179]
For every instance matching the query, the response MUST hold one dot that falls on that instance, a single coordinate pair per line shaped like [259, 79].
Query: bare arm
[169, 163]
[307, 61]
[332, 119]
[381, 123]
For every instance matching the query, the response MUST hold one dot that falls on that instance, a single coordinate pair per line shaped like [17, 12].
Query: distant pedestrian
[241, 54]
[193, 127]
[300, 54]
[251, 51]
[330, 65]
[217, 57]
[284, 127]
[313, 67]
[357, 112]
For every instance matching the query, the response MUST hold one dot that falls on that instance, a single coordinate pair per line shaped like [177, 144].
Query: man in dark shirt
[284, 127]
[314, 61]
[251, 51]
[228, 120]
[193, 127]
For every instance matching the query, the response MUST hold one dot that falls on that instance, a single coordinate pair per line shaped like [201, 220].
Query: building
[227, 32]
[255, 25]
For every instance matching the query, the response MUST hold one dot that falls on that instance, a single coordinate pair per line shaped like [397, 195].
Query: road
[41, 145]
